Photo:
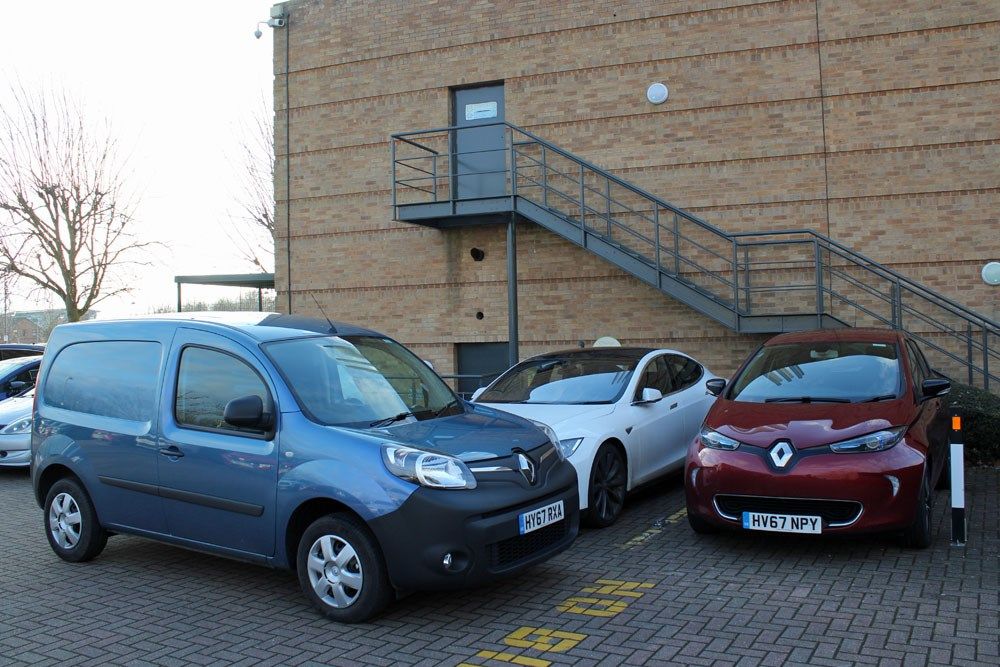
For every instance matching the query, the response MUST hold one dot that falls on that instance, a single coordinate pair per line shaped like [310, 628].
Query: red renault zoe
[831, 431]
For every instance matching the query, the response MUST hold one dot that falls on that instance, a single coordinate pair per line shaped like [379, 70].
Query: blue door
[100, 397]
[217, 482]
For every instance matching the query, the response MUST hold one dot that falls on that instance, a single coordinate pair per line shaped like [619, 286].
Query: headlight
[873, 442]
[714, 440]
[551, 435]
[436, 471]
[570, 446]
[17, 427]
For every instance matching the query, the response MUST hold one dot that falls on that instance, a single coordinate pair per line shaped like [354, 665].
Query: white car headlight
[873, 442]
[17, 427]
[715, 440]
[569, 446]
[436, 471]
[551, 435]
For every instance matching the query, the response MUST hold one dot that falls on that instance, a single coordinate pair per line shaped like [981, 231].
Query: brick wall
[871, 120]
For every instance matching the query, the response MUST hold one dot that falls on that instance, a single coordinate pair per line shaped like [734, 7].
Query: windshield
[10, 365]
[360, 381]
[816, 372]
[590, 379]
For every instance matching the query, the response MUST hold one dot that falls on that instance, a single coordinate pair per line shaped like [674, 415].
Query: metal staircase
[752, 282]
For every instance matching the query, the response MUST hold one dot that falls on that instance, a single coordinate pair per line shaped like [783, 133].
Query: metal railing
[777, 274]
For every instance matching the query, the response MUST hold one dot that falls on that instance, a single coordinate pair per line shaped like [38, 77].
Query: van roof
[260, 326]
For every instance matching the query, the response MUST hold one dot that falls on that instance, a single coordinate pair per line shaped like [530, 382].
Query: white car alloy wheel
[65, 521]
[335, 572]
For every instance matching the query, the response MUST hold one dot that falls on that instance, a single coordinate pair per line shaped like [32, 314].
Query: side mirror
[715, 386]
[649, 395]
[935, 387]
[247, 412]
[477, 393]
[17, 385]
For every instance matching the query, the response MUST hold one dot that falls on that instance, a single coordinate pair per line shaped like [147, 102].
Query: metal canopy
[257, 281]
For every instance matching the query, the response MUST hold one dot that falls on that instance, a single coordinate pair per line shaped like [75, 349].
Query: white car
[15, 430]
[622, 416]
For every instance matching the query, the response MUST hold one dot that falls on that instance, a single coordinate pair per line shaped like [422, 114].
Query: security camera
[257, 33]
[276, 23]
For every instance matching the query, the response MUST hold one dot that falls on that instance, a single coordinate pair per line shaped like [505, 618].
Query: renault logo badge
[527, 468]
[781, 453]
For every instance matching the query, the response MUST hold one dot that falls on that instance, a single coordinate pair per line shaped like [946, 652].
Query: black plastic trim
[186, 496]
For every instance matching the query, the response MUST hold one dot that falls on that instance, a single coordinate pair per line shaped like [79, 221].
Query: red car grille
[836, 512]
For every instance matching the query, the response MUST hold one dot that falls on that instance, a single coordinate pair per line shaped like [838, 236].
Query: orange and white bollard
[957, 481]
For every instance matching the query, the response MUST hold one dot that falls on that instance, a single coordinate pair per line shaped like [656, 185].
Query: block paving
[646, 591]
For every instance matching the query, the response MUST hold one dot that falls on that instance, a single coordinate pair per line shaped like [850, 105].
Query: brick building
[873, 122]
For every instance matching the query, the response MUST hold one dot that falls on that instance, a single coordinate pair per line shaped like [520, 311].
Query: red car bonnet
[806, 424]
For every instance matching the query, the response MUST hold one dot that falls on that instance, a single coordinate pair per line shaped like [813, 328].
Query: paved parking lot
[647, 591]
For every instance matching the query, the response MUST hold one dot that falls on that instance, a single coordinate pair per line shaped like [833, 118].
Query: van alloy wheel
[71, 524]
[341, 568]
[65, 521]
[335, 571]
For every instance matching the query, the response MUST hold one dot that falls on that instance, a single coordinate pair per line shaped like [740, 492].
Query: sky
[181, 84]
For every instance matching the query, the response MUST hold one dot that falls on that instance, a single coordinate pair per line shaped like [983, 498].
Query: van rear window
[108, 378]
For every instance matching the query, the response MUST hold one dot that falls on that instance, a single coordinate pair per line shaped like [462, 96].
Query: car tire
[608, 484]
[918, 535]
[341, 569]
[699, 525]
[71, 523]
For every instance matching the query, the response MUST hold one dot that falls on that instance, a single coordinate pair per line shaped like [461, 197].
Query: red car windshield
[838, 372]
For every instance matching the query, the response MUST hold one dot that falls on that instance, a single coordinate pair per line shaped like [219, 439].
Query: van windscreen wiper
[385, 421]
[806, 399]
[876, 399]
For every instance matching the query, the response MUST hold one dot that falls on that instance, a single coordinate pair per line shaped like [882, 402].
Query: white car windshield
[360, 381]
[567, 380]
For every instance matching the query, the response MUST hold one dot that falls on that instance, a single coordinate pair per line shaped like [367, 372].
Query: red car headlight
[873, 442]
[715, 440]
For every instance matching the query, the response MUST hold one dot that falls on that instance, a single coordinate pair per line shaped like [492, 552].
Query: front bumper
[854, 492]
[15, 450]
[479, 528]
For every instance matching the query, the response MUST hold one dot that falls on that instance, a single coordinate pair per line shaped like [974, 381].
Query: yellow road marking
[678, 515]
[544, 639]
[502, 656]
[592, 606]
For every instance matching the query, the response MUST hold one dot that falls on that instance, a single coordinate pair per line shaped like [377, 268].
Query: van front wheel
[341, 569]
[71, 523]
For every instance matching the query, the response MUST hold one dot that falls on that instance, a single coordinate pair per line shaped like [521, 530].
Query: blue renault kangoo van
[296, 443]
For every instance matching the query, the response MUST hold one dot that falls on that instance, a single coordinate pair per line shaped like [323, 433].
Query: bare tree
[252, 229]
[62, 187]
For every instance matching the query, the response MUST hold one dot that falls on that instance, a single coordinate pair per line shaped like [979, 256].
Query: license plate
[539, 518]
[782, 523]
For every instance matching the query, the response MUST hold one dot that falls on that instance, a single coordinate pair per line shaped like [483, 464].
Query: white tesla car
[622, 416]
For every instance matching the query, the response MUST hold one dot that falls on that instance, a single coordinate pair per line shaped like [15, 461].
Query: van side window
[206, 381]
[108, 378]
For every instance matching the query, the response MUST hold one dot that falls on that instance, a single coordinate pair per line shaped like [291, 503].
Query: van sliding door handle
[673, 406]
[172, 451]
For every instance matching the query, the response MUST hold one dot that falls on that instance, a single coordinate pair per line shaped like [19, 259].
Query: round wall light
[991, 273]
[657, 93]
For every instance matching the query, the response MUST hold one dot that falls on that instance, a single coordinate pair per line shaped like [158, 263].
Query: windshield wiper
[883, 397]
[391, 420]
[450, 404]
[807, 399]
